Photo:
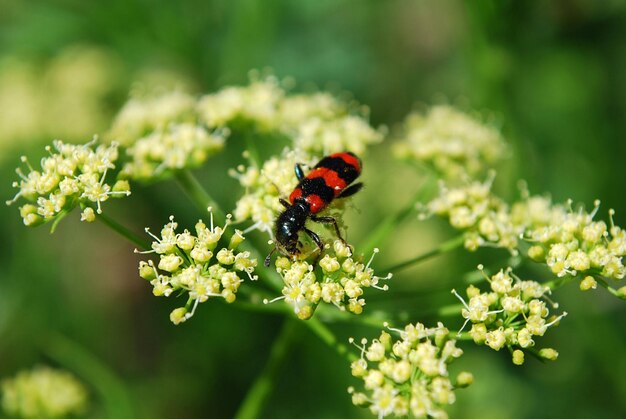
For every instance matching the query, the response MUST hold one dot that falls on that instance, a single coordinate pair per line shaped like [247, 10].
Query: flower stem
[450, 310]
[324, 333]
[442, 248]
[123, 231]
[331, 314]
[559, 282]
[110, 388]
[610, 289]
[252, 406]
[389, 223]
[200, 197]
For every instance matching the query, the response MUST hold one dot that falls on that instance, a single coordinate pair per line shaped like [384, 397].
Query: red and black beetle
[330, 178]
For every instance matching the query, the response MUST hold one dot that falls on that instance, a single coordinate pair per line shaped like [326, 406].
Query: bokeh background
[550, 74]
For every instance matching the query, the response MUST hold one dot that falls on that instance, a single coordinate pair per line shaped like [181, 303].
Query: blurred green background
[551, 74]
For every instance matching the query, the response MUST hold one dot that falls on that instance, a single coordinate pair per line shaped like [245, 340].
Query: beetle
[331, 178]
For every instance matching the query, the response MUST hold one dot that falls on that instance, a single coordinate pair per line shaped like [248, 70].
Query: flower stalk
[444, 247]
[256, 398]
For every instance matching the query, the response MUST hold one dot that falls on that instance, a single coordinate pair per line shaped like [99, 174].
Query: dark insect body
[330, 178]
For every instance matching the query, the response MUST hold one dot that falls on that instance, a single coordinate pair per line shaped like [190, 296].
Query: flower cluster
[510, 314]
[340, 280]
[142, 116]
[161, 134]
[195, 264]
[255, 104]
[179, 146]
[72, 175]
[175, 130]
[349, 132]
[484, 218]
[568, 241]
[43, 393]
[453, 143]
[317, 122]
[409, 375]
[571, 242]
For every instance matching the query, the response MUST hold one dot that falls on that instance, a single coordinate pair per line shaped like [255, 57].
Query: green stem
[442, 248]
[451, 310]
[606, 285]
[58, 219]
[389, 223]
[200, 197]
[123, 231]
[324, 333]
[559, 282]
[112, 391]
[252, 406]
[460, 336]
[331, 314]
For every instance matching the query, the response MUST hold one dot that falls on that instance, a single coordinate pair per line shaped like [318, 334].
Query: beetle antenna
[268, 258]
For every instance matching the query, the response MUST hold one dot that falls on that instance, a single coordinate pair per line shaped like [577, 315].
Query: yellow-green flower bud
[225, 257]
[621, 292]
[588, 283]
[549, 354]
[329, 264]
[305, 313]
[88, 215]
[537, 253]
[283, 263]
[178, 315]
[518, 357]
[201, 254]
[146, 271]
[341, 249]
[122, 186]
[185, 241]
[495, 339]
[359, 399]
[478, 333]
[472, 291]
[236, 240]
[229, 296]
[464, 379]
[170, 263]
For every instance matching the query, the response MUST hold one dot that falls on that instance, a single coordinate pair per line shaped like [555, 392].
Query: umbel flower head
[408, 376]
[197, 265]
[340, 280]
[256, 104]
[317, 123]
[142, 116]
[161, 134]
[71, 175]
[179, 146]
[348, 132]
[511, 314]
[43, 393]
[571, 242]
[474, 209]
[451, 142]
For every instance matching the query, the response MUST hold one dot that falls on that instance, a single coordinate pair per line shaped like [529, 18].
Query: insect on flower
[329, 179]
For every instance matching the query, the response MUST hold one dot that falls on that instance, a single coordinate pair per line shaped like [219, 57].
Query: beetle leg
[299, 171]
[328, 220]
[318, 242]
